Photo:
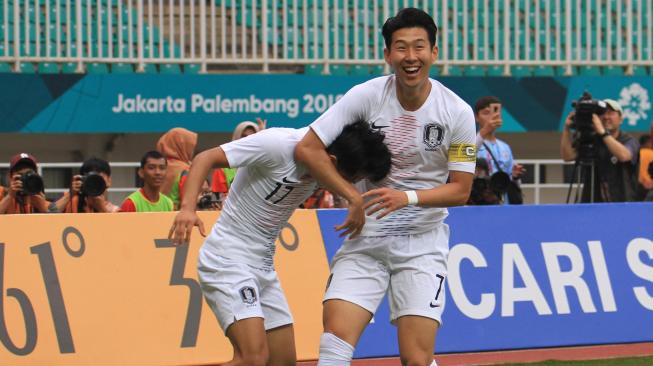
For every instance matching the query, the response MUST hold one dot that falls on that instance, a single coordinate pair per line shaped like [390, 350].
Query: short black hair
[644, 139]
[409, 18]
[96, 165]
[483, 102]
[360, 151]
[153, 154]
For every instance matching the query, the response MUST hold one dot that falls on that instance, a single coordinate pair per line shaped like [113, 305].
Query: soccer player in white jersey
[403, 246]
[235, 264]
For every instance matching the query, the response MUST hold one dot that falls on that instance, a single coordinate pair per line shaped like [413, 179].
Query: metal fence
[544, 183]
[273, 33]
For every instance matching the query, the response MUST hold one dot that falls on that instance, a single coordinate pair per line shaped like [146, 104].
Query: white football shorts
[411, 268]
[237, 291]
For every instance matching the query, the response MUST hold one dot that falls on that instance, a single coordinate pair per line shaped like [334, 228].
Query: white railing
[123, 176]
[329, 32]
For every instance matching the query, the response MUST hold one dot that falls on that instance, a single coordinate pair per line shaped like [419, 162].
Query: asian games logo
[635, 102]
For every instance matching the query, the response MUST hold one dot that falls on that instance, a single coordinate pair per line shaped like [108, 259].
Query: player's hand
[355, 220]
[598, 124]
[262, 123]
[76, 185]
[385, 200]
[517, 171]
[569, 120]
[182, 227]
[16, 186]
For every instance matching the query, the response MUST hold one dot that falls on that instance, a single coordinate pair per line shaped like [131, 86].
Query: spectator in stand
[25, 193]
[645, 189]
[177, 146]
[88, 190]
[150, 198]
[221, 178]
[497, 153]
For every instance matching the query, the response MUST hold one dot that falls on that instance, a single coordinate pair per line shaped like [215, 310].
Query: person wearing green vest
[149, 198]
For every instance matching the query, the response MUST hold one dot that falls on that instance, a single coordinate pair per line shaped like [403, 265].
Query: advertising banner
[117, 103]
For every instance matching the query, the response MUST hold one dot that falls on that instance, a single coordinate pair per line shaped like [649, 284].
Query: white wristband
[412, 197]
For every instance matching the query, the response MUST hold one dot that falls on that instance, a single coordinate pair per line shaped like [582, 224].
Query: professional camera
[584, 140]
[93, 185]
[487, 190]
[207, 201]
[32, 184]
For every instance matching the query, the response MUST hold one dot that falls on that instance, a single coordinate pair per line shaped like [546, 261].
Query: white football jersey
[267, 189]
[425, 144]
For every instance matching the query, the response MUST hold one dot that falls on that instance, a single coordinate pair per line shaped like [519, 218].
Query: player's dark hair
[96, 165]
[409, 18]
[483, 102]
[361, 152]
[152, 155]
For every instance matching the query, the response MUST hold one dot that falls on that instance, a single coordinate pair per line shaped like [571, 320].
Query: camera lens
[93, 185]
[32, 183]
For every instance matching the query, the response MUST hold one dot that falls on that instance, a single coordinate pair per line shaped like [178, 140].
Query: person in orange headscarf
[177, 145]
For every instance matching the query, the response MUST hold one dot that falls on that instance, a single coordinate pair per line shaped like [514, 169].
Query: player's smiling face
[411, 56]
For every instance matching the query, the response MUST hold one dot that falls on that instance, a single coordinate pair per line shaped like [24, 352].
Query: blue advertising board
[535, 276]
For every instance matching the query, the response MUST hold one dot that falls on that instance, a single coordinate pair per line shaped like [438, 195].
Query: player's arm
[310, 152]
[454, 193]
[183, 224]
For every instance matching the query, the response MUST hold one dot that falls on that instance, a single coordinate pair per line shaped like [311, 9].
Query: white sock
[334, 351]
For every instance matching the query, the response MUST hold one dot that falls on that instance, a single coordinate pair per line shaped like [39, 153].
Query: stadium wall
[110, 289]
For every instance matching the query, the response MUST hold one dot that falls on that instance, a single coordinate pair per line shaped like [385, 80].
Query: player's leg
[357, 285]
[278, 322]
[248, 338]
[417, 293]
[281, 343]
[416, 340]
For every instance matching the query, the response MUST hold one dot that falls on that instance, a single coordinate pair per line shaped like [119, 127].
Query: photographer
[498, 155]
[610, 151]
[88, 190]
[25, 193]
[645, 176]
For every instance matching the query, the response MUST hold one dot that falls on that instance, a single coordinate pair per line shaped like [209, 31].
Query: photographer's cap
[22, 158]
[614, 105]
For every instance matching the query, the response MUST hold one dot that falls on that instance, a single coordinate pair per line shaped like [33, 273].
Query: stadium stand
[477, 38]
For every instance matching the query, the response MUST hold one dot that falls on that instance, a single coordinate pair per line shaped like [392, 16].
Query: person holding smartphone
[497, 153]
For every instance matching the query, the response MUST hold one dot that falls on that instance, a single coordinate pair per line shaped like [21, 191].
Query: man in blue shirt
[497, 153]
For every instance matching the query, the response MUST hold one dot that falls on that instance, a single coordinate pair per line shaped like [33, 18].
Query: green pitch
[632, 361]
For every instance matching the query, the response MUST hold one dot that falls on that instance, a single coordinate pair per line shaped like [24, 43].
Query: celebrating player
[236, 261]
[402, 249]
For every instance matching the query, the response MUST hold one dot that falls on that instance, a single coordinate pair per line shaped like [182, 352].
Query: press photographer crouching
[605, 157]
[88, 190]
[26, 192]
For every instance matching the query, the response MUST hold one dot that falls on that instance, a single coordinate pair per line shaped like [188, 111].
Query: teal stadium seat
[544, 71]
[150, 69]
[313, 69]
[171, 69]
[474, 71]
[376, 70]
[435, 71]
[27, 68]
[97, 68]
[613, 71]
[455, 70]
[521, 71]
[339, 70]
[589, 71]
[5, 67]
[495, 70]
[48, 68]
[640, 71]
[359, 70]
[192, 69]
[69, 68]
[122, 68]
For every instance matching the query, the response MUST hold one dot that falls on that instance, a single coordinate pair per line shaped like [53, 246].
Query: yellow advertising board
[110, 289]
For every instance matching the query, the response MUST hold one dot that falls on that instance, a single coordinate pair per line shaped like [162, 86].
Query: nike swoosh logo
[374, 126]
[434, 306]
[285, 180]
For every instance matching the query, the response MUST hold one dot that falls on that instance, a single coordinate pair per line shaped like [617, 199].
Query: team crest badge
[248, 294]
[433, 136]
